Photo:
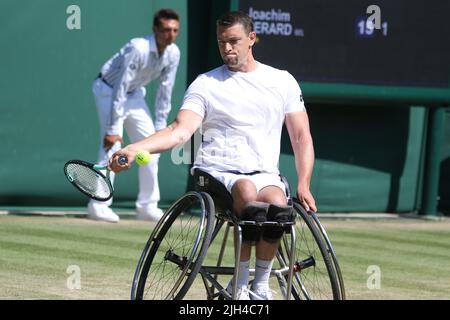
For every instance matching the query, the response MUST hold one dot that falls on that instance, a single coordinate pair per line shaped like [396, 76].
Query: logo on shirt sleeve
[301, 98]
[132, 66]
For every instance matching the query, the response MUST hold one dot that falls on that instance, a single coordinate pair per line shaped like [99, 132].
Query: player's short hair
[231, 18]
[168, 14]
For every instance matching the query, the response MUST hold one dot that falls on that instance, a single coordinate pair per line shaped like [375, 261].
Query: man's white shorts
[261, 180]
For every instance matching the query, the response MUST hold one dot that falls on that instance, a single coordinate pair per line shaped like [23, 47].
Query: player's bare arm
[297, 124]
[178, 132]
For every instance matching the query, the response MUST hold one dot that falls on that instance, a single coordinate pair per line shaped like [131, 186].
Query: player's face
[235, 45]
[167, 32]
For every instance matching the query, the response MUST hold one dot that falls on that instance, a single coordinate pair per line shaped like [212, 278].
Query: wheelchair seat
[205, 182]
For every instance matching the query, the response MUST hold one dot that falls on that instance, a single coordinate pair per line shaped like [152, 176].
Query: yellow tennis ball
[142, 157]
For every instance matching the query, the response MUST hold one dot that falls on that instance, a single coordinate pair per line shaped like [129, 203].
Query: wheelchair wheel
[315, 277]
[175, 250]
[332, 253]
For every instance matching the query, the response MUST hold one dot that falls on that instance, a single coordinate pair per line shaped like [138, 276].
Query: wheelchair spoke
[175, 251]
[316, 275]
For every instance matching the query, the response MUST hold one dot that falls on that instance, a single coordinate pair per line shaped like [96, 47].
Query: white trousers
[138, 125]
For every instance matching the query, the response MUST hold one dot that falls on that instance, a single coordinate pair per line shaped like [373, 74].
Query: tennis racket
[89, 179]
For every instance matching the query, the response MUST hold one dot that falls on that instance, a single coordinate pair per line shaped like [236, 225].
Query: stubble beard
[231, 61]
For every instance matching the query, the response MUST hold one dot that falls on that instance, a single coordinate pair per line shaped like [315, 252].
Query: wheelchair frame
[308, 266]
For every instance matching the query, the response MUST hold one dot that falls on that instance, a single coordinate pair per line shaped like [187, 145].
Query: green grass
[35, 252]
[413, 257]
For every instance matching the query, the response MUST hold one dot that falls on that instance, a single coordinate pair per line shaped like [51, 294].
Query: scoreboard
[377, 43]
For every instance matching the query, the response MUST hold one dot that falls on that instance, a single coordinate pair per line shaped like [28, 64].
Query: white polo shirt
[243, 115]
[133, 67]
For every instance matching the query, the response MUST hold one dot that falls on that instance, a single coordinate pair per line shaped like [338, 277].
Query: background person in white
[120, 98]
[241, 107]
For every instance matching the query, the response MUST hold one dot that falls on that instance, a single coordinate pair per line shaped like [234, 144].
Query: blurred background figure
[119, 92]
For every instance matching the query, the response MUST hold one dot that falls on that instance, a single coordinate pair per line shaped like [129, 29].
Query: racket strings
[88, 180]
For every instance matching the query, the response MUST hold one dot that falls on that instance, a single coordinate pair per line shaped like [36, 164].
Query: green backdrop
[368, 158]
[48, 115]
[444, 182]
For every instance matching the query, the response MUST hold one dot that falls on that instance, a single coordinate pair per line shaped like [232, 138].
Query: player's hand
[306, 199]
[129, 152]
[109, 140]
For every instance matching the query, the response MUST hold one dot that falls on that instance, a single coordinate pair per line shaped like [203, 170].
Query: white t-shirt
[243, 115]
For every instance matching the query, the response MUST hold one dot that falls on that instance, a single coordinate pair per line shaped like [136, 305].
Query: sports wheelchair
[183, 258]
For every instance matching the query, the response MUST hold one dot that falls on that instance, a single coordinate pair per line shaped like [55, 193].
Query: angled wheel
[175, 250]
[332, 253]
[315, 277]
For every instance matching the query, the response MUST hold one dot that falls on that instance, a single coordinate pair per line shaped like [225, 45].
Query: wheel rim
[173, 251]
[312, 278]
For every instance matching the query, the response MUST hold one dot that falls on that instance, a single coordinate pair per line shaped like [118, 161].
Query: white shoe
[101, 212]
[261, 293]
[241, 294]
[149, 214]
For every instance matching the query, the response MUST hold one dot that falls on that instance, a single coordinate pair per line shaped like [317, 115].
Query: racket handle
[123, 160]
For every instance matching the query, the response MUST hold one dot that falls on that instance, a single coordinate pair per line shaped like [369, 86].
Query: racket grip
[122, 160]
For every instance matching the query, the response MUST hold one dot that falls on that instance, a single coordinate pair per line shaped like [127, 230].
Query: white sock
[262, 273]
[242, 280]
